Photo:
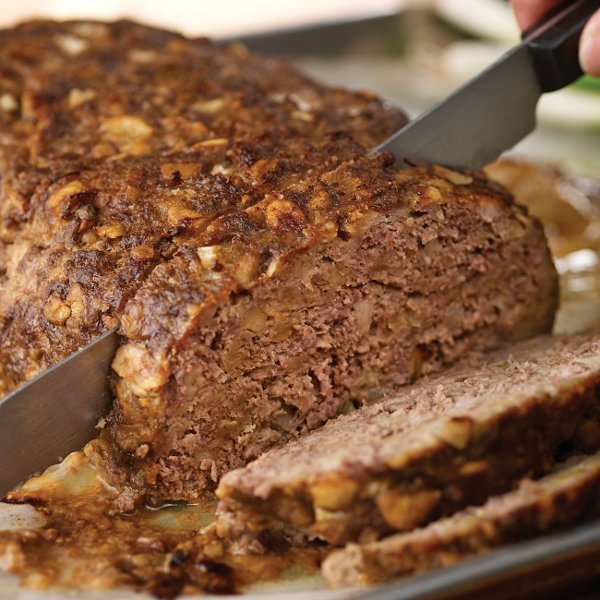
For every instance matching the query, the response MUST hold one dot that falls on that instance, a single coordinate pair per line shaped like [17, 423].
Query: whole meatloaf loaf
[428, 450]
[265, 272]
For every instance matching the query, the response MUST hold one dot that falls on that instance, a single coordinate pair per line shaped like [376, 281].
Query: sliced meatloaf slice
[427, 451]
[222, 209]
[569, 495]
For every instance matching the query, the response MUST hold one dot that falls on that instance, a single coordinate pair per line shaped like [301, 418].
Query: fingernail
[589, 52]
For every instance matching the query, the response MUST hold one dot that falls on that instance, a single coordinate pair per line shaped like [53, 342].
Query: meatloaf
[569, 495]
[265, 272]
[429, 450]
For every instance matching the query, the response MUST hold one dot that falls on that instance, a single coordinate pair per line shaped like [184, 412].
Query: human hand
[529, 11]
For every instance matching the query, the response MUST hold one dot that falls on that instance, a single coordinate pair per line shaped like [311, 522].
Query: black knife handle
[554, 43]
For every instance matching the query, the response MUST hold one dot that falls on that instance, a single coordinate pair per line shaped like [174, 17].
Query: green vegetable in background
[588, 83]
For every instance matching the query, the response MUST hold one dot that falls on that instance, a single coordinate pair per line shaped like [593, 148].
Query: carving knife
[496, 109]
[57, 411]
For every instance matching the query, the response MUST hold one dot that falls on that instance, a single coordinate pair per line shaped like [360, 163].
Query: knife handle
[554, 43]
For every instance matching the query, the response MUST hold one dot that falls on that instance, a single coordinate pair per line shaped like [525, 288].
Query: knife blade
[496, 109]
[466, 132]
[57, 411]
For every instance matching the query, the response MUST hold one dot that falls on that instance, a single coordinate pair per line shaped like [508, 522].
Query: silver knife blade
[479, 121]
[54, 413]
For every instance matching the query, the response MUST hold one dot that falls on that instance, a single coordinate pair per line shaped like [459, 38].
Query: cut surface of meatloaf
[569, 495]
[278, 330]
[265, 272]
[431, 449]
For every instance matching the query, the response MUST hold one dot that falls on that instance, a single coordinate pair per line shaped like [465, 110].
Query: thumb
[589, 51]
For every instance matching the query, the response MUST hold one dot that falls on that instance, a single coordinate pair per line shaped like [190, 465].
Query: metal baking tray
[325, 38]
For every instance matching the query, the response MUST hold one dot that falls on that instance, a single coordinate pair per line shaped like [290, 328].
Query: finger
[589, 50]
[529, 11]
